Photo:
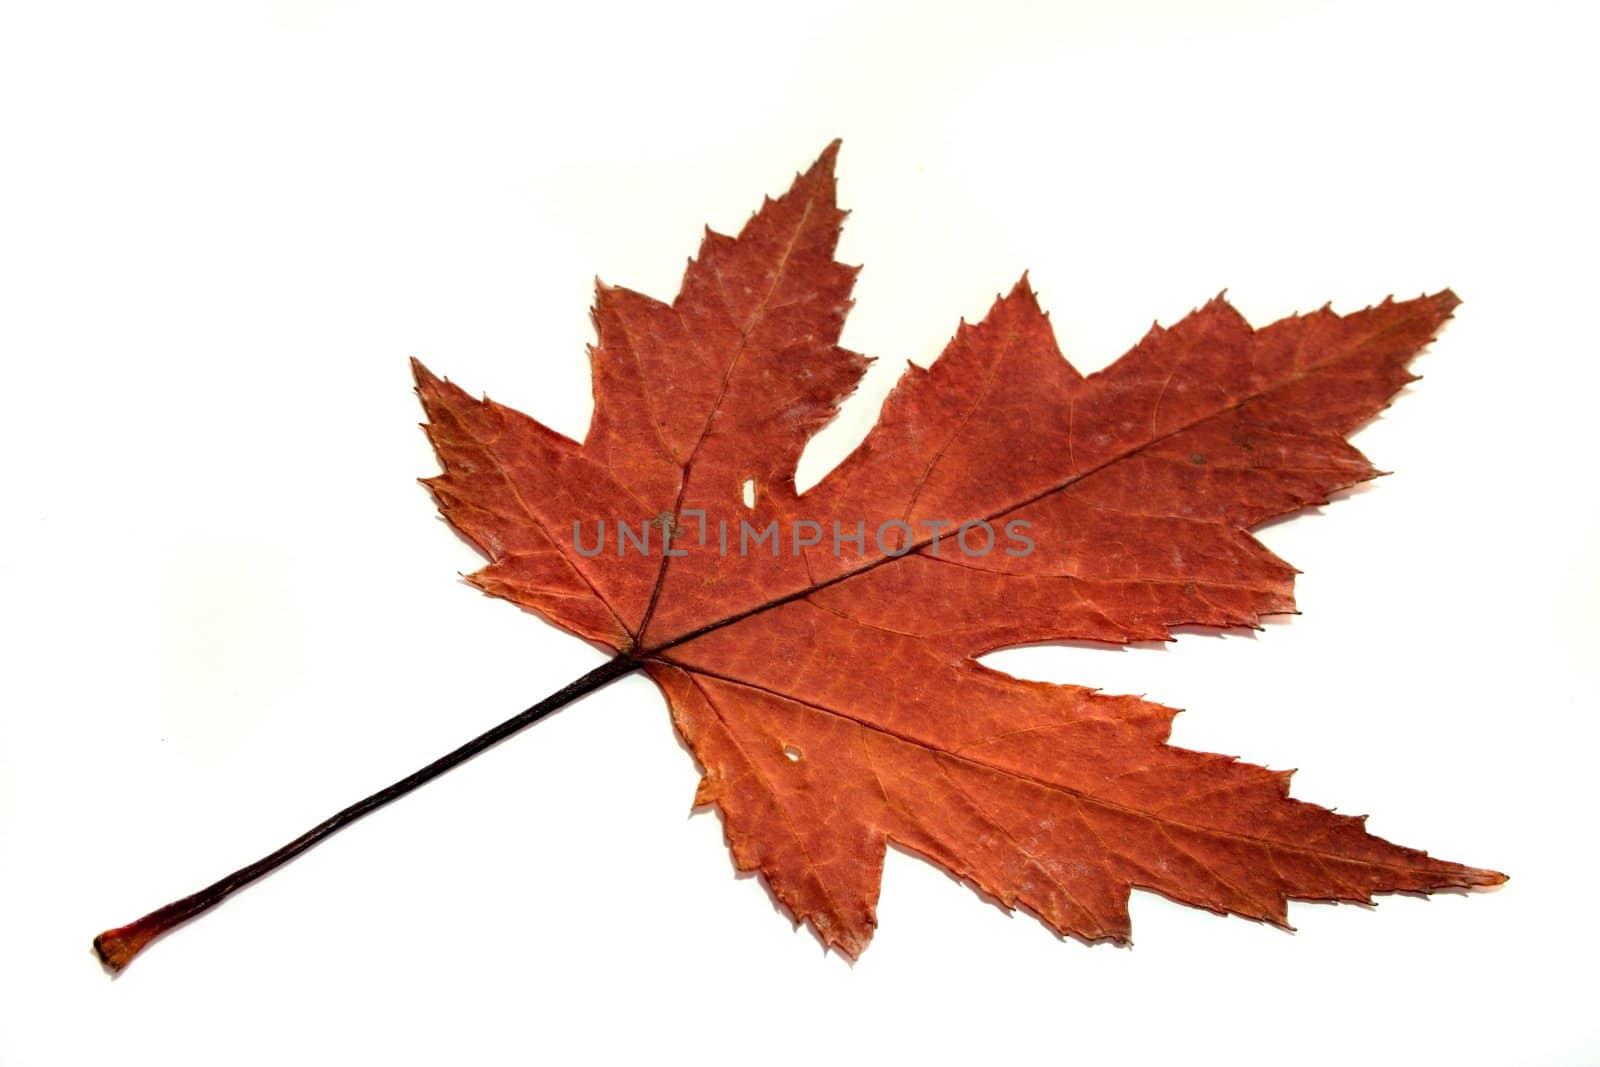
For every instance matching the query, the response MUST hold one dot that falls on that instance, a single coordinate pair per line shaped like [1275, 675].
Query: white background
[229, 610]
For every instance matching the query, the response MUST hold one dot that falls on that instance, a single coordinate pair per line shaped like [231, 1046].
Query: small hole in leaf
[792, 753]
[748, 492]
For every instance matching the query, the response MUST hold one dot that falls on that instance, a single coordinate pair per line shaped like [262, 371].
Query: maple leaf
[819, 658]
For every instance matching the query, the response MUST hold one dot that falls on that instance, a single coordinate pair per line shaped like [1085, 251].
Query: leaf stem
[118, 946]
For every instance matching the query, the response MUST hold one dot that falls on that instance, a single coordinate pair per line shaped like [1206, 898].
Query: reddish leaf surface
[830, 693]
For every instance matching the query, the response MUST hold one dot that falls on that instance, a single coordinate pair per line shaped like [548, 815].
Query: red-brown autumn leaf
[829, 690]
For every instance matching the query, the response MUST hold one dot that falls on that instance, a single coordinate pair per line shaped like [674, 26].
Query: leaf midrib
[1076, 794]
[1062, 486]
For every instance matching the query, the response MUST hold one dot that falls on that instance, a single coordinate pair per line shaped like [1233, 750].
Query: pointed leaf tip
[828, 157]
